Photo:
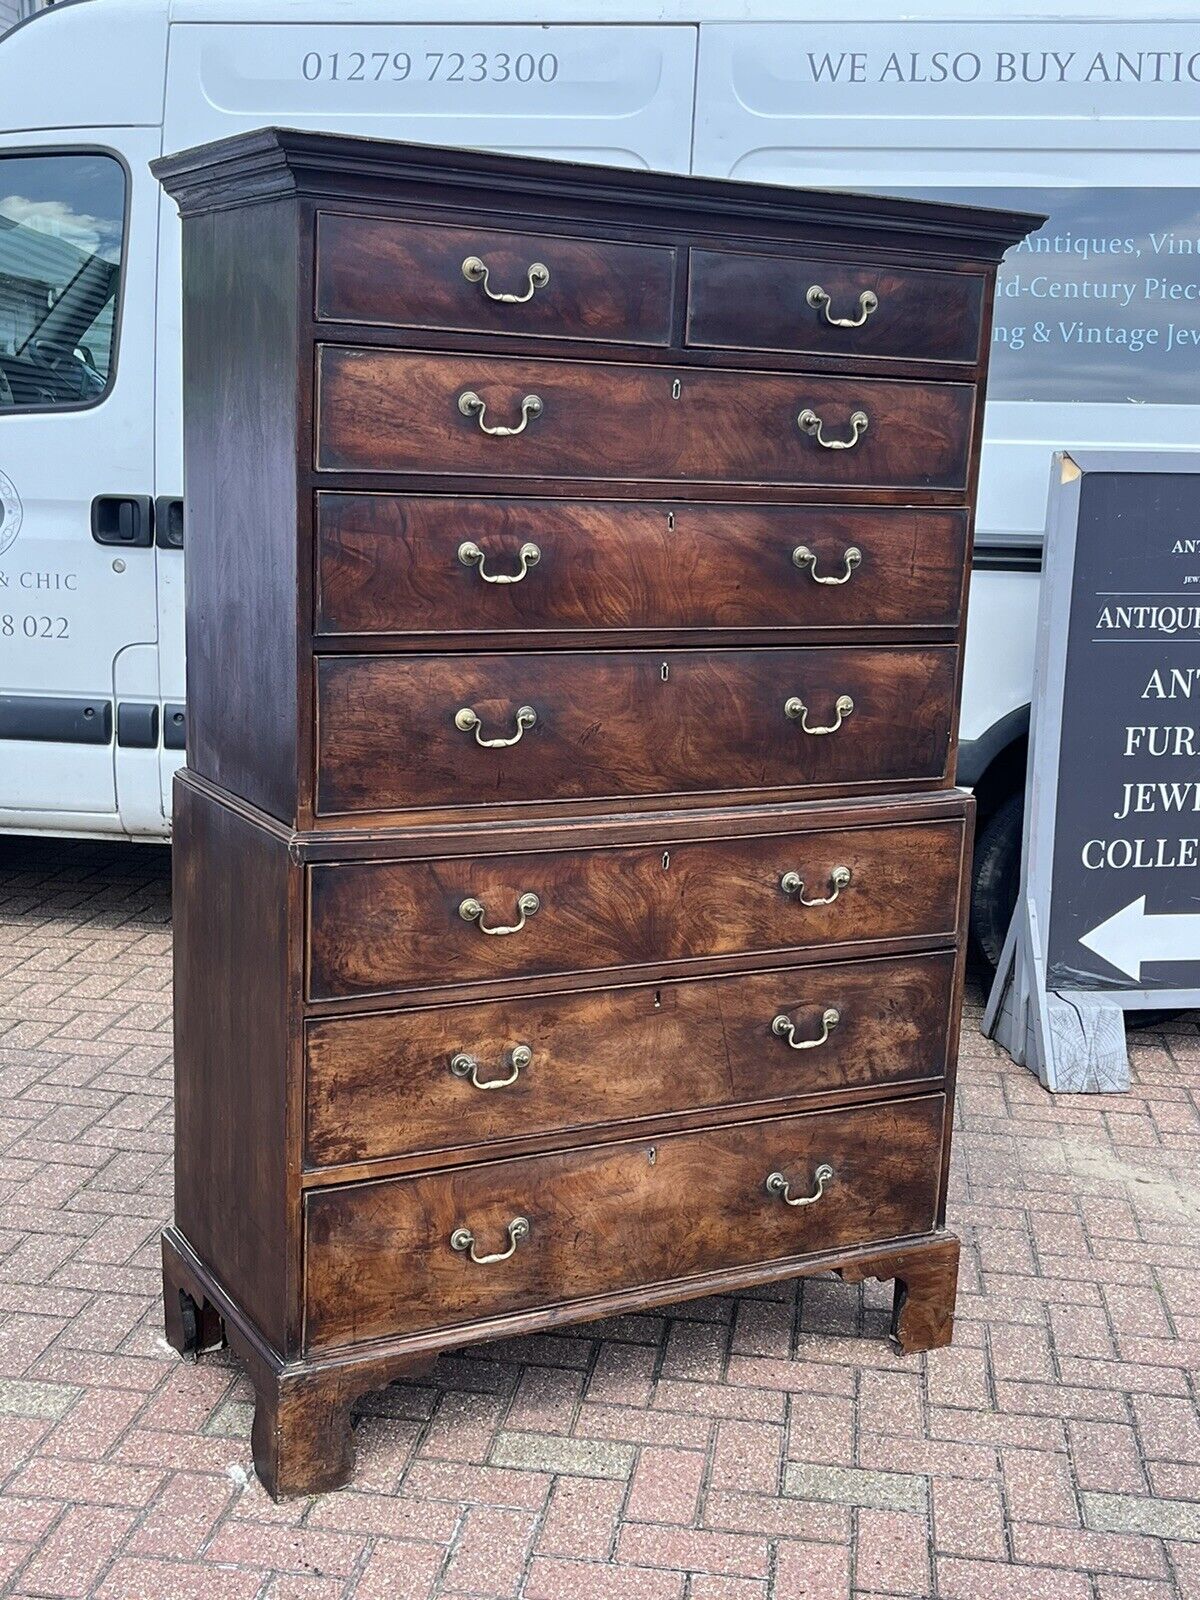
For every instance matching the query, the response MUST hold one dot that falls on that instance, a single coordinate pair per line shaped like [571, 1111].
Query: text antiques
[1109, 912]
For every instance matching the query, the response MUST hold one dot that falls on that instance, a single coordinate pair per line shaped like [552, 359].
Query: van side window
[62, 224]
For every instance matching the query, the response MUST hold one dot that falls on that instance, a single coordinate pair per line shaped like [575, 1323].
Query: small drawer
[400, 732]
[402, 1255]
[382, 927]
[513, 417]
[427, 564]
[424, 275]
[816, 306]
[406, 1082]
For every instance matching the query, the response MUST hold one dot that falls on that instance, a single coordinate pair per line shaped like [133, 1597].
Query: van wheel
[997, 877]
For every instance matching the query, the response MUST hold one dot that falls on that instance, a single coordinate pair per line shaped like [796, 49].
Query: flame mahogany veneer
[569, 885]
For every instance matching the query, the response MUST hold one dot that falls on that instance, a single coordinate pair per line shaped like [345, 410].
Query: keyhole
[658, 999]
[666, 860]
[670, 522]
[676, 389]
[652, 1155]
[665, 672]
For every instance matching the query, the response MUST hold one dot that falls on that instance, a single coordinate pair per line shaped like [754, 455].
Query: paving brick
[384, 1515]
[988, 1580]
[553, 1579]
[1105, 1456]
[821, 1428]
[581, 1520]
[703, 1586]
[747, 1457]
[28, 1398]
[1084, 1550]
[1038, 1487]
[853, 1486]
[891, 1552]
[1121, 1513]
[806, 1571]
[586, 1458]
[775, 1516]
[893, 1402]
[399, 1569]
[133, 1579]
[733, 1554]
[623, 1375]
[281, 1549]
[968, 1519]
[491, 1554]
[666, 1486]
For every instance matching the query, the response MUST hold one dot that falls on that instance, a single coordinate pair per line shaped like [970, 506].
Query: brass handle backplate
[777, 1184]
[464, 1239]
[463, 1065]
[793, 883]
[802, 557]
[476, 271]
[472, 910]
[810, 423]
[471, 405]
[819, 299]
[784, 1028]
[528, 556]
[797, 711]
[466, 719]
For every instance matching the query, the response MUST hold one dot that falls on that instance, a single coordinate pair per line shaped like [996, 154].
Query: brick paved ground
[769, 1445]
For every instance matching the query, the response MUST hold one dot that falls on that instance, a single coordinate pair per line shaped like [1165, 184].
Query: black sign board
[1125, 874]
[1109, 911]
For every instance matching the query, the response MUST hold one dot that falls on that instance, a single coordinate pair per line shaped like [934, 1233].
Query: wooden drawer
[395, 411]
[748, 302]
[392, 564]
[380, 1262]
[390, 926]
[398, 732]
[424, 275]
[400, 1083]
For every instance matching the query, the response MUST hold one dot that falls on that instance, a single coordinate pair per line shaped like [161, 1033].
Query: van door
[78, 225]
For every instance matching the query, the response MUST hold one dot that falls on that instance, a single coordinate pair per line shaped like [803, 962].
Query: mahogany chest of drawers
[569, 881]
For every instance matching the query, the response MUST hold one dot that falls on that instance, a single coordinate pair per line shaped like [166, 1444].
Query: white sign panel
[617, 95]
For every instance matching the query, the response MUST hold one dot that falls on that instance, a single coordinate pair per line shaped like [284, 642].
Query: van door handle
[125, 519]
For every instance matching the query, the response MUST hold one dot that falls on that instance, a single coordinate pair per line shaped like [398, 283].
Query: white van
[1073, 109]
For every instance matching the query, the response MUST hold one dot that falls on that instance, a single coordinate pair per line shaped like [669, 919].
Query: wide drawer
[395, 411]
[815, 306]
[493, 729]
[399, 1083]
[391, 926]
[427, 564]
[425, 275]
[395, 1256]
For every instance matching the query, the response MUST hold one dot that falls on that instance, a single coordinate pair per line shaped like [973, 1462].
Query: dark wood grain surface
[382, 1085]
[608, 1215]
[385, 410]
[390, 564]
[235, 905]
[386, 926]
[625, 723]
[410, 274]
[754, 302]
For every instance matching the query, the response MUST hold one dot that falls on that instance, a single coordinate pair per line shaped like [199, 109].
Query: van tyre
[996, 878]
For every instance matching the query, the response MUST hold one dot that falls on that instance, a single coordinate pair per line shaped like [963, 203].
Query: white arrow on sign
[1130, 938]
